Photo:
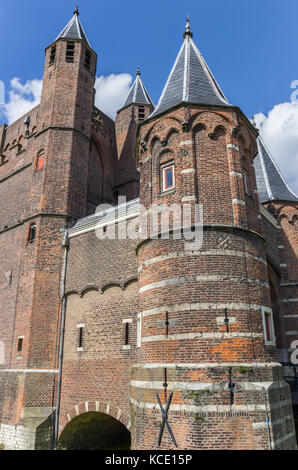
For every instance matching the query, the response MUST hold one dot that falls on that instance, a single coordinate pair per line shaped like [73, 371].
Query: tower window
[70, 47]
[87, 59]
[52, 55]
[32, 233]
[268, 326]
[141, 113]
[39, 160]
[139, 331]
[246, 182]
[20, 343]
[168, 177]
[80, 337]
[126, 333]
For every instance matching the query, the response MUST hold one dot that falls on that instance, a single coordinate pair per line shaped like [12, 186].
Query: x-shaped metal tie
[164, 413]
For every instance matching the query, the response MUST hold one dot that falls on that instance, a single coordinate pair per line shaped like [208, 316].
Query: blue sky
[250, 45]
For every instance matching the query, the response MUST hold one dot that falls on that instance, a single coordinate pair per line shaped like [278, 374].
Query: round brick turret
[202, 308]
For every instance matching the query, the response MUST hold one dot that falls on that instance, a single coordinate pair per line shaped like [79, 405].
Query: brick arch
[203, 118]
[95, 406]
[168, 122]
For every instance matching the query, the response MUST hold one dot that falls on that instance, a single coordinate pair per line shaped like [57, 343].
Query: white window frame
[139, 330]
[163, 170]
[269, 312]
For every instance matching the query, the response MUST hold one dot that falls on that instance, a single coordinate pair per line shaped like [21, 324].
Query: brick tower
[204, 311]
[282, 203]
[45, 185]
[136, 108]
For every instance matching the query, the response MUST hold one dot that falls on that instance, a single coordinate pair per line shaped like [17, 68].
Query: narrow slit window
[246, 182]
[32, 233]
[70, 48]
[126, 324]
[139, 331]
[168, 178]
[20, 344]
[52, 55]
[126, 334]
[268, 326]
[87, 59]
[81, 329]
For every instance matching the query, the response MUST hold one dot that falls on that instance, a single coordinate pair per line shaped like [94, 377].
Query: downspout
[65, 245]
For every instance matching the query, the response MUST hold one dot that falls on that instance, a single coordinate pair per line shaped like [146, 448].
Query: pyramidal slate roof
[74, 29]
[191, 80]
[270, 182]
[138, 93]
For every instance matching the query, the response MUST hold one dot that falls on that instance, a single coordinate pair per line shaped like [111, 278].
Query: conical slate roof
[190, 80]
[138, 93]
[270, 182]
[74, 29]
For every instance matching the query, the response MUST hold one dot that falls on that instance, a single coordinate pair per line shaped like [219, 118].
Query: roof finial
[76, 12]
[187, 29]
[138, 71]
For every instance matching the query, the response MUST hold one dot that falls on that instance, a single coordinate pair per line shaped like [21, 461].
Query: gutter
[65, 245]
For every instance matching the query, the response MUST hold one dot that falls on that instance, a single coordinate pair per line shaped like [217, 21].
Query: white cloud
[280, 132]
[111, 91]
[21, 98]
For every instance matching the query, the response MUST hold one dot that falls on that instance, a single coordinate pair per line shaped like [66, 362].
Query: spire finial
[138, 71]
[76, 12]
[187, 29]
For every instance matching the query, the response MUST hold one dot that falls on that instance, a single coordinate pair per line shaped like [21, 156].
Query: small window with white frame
[139, 330]
[268, 326]
[168, 177]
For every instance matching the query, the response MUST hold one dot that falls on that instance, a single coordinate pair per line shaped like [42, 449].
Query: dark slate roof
[190, 80]
[270, 182]
[138, 93]
[74, 29]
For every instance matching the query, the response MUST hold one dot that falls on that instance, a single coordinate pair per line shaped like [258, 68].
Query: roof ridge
[270, 155]
[209, 74]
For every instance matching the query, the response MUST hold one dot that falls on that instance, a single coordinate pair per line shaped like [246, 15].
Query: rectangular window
[126, 323]
[52, 55]
[87, 59]
[246, 182]
[168, 178]
[20, 343]
[80, 328]
[32, 233]
[268, 326]
[126, 335]
[141, 113]
[70, 47]
[39, 160]
[139, 331]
